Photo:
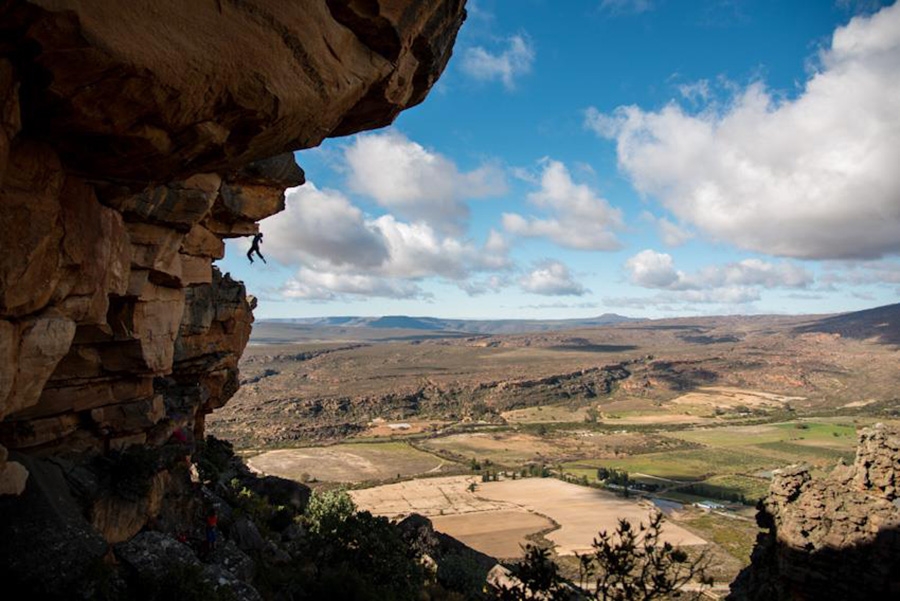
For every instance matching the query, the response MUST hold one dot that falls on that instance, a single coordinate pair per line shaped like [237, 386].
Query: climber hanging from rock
[254, 248]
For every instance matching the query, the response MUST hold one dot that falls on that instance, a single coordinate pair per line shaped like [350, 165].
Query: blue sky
[644, 157]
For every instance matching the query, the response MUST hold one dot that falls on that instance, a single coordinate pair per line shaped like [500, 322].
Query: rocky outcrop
[152, 558]
[159, 90]
[134, 138]
[831, 538]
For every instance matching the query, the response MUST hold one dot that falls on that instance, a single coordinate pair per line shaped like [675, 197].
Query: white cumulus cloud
[322, 227]
[651, 269]
[416, 183]
[576, 216]
[338, 251]
[551, 278]
[418, 251]
[506, 65]
[809, 177]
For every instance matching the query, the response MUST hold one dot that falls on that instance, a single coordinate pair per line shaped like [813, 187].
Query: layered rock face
[134, 138]
[831, 538]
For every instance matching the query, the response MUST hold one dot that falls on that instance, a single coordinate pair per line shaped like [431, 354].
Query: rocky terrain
[329, 382]
[134, 138]
[831, 538]
[267, 414]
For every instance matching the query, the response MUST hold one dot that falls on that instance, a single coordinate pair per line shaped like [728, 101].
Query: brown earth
[485, 518]
[298, 393]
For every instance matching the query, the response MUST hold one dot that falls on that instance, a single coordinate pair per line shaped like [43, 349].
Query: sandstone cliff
[831, 538]
[134, 138]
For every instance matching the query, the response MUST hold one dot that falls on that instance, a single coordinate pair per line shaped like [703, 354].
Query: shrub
[461, 574]
[360, 556]
[328, 510]
[182, 582]
[626, 565]
[538, 578]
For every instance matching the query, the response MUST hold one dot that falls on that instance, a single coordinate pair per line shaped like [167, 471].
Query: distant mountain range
[473, 326]
[881, 323]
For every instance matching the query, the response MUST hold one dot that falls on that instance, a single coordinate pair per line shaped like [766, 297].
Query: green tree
[364, 558]
[635, 565]
[536, 577]
[327, 510]
[461, 573]
[345, 554]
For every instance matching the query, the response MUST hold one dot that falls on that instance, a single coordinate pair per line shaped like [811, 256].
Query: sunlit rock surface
[134, 138]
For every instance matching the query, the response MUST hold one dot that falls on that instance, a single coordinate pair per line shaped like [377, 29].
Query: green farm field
[513, 448]
[692, 465]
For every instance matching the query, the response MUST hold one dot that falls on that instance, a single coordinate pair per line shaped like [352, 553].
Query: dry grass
[500, 534]
[512, 448]
[431, 497]
[490, 510]
[580, 511]
[729, 398]
[509, 448]
[348, 463]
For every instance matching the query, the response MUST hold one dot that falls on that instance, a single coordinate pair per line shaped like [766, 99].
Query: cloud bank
[729, 284]
[651, 269]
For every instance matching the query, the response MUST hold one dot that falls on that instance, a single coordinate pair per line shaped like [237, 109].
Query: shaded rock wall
[134, 138]
[831, 538]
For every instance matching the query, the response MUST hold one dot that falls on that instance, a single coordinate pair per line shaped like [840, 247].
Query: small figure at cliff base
[212, 522]
[254, 248]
